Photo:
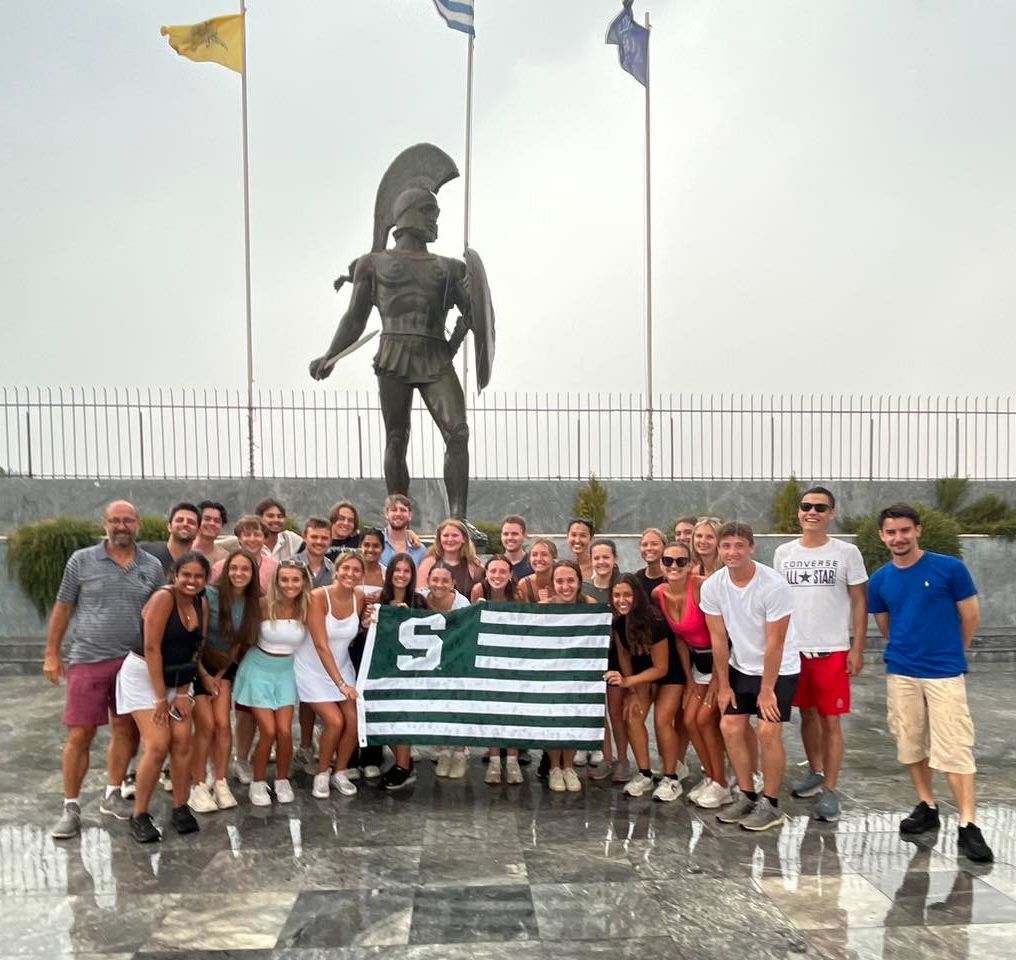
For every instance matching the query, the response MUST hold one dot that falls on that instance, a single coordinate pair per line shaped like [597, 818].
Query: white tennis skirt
[134, 689]
[312, 682]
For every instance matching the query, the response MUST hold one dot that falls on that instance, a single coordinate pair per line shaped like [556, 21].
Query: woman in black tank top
[174, 624]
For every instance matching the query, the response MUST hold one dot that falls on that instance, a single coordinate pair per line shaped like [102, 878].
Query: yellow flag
[219, 40]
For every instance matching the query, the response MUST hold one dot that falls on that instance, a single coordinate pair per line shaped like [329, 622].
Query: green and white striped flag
[489, 675]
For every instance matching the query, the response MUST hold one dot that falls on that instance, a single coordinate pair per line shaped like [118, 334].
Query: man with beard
[100, 599]
[398, 537]
[184, 520]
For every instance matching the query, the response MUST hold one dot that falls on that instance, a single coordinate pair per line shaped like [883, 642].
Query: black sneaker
[144, 830]
[922, 819]
[543, 770]
[398, 778]
[183, 820]
[971, 844]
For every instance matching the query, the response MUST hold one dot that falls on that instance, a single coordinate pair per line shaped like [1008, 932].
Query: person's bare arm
[721, 660]
[59, 619]
[661, 661]
[970, 616]
[776, 634]
[882, 621]
[353, 321]
[155, 617]
[859, 617]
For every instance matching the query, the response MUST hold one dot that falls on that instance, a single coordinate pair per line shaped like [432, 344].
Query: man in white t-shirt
[828, 583]
[756, 672]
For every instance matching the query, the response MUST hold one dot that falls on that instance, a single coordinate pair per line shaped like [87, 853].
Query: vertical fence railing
[110, 432]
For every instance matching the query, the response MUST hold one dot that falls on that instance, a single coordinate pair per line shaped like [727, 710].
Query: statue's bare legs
[447, 405]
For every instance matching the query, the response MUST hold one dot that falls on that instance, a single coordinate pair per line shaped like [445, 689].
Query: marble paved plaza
[462, 870]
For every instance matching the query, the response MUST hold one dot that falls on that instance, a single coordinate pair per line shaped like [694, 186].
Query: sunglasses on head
[817, 507]
[670, 561]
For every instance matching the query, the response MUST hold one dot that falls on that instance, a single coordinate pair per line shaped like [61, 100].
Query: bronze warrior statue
[413, 291]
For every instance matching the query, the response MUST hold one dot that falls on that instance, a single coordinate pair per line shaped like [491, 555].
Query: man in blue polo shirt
[926, 607]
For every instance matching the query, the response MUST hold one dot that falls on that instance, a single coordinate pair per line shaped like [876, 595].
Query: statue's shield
[482, 319]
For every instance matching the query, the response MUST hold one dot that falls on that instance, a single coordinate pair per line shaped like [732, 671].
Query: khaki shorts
[931, 721]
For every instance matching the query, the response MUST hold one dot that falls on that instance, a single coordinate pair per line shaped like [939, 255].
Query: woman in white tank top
[266, 680]
[325, 675]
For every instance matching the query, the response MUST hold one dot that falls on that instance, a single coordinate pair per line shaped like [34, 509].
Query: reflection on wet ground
[455, 870]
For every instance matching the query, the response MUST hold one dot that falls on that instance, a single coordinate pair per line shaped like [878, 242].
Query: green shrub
[38, 552]
[785, 505]
[492, 531]
[939, 533]
[153, 528]
[986, 510]
[950, 492]
[591, 503]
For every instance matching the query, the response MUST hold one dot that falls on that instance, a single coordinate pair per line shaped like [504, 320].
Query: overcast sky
[834, 200]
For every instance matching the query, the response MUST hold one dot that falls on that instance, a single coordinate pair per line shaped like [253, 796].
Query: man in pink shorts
[828, 586]
[100, 599]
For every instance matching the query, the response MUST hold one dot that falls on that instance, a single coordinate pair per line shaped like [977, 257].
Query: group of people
[168, 639]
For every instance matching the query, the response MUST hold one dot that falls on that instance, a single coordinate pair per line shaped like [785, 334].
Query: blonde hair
[350, 555]
[714, 524]
[468, 550]
[275, 597]
[659, 533]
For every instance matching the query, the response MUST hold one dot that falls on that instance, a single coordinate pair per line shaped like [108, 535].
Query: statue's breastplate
[410, 292]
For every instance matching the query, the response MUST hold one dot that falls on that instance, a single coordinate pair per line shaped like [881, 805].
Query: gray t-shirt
[107, 601]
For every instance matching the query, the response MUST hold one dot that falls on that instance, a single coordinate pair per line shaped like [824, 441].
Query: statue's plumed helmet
[409, 200]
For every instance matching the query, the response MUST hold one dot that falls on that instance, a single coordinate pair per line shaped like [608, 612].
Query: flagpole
[649, 277]
[468, 190]
[246, 249]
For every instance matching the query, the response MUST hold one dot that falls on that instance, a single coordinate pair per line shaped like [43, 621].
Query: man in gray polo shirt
[100, 599]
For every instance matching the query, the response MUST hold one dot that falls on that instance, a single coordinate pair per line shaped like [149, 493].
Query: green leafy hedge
[591, 503]
[38, 552]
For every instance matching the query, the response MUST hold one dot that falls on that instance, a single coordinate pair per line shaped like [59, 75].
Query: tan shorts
[931, 721]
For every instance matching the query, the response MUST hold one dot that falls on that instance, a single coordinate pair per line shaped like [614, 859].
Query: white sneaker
[572, 783]
[224, 798]
[352, 773]
[494, 771]
[242, 771]
[555, 780]
[669, 790]
[581, 758]
[283, 791]
[457, 768]
[682, 771]
[371, 772]
[340, 780]
[715, 795]
[638, 785]
[320, 788]
[595, 757]
[513, 772]
[259, 795]
[695, 792]
[444, 765]
[201, 799]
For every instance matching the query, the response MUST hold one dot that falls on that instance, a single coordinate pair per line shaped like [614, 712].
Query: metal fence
[179, 433]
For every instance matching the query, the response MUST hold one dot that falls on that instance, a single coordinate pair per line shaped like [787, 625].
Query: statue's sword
[330, 365]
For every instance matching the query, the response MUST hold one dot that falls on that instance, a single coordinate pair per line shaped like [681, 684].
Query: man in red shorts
[829, 588]
[100, 599]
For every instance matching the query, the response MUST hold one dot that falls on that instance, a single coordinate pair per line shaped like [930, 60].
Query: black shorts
[613, 661]
[675, 671]
[230, 675]
[702, 660]
[746, 690]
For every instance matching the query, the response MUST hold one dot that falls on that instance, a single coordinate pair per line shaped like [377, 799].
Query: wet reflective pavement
[452, 870]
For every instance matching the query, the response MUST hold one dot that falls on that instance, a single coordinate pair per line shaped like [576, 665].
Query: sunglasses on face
[817, 507]
[670, 561]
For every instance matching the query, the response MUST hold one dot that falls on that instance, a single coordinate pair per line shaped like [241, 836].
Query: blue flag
[458, 14]
[632, 41]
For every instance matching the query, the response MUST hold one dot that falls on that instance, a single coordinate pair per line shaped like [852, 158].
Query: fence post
[28, 433]
[772, 447]
[578, 448]
[141, 434]
[956, 472]
[871, 448]
[359, 442]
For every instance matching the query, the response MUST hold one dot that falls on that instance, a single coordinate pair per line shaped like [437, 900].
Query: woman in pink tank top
[678, 598]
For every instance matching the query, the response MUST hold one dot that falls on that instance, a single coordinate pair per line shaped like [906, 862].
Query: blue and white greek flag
[458, 14]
